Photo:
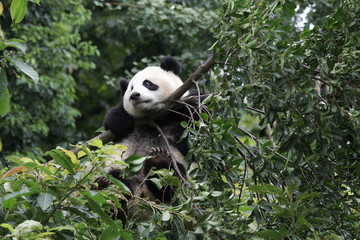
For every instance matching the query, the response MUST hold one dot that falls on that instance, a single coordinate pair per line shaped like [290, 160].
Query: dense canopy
[275, 157]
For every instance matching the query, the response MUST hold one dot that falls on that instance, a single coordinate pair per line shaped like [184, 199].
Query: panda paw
[102, 182]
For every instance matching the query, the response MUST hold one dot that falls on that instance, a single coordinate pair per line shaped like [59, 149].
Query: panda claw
[102, 182]
[157, 151]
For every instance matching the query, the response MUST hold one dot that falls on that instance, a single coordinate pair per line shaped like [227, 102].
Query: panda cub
[131, 122]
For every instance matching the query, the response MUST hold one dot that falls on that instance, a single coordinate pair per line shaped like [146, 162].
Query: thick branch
[205, 67]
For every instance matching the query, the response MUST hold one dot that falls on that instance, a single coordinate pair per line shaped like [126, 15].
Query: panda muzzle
[135, 96]
[136, 99]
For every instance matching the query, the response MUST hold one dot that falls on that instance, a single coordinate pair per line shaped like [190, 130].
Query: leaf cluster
[51, 44]
[59, 197]
[297, 162]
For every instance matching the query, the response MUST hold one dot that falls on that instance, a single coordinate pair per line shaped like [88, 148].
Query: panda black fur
[143, 96]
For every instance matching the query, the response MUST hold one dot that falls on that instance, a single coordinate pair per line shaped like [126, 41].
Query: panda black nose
[134, 96]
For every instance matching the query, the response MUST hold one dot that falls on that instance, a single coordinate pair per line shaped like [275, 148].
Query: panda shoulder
[118, 121]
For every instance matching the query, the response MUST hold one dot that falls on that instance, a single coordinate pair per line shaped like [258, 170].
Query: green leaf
[166, 216]
[45, 200]
[33, 165]
[7, 226]
[35, 1]
[96, 143]
[61, 228]
[121, 185]
[62, 159]
[109, 233]
[302, 221]
[25, 68]
[272, 234]
[251, 44]
[290, 143]
[95, 196]
[4, 103]
[10, 199]
[157, 182]
[105, 217]
[21, 46]
[18, 10]
[135, 160]
[70, 154]
[4, 94]
[266, 188]
[269, 189]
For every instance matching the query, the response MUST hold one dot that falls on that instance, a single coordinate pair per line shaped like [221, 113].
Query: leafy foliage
[276, 159]
[55, 49]
[17, 12]
[303, 85]
[58, 198]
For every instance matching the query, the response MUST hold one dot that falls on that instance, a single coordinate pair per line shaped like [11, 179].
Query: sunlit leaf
[166, 216]
[62, 159]
[96, 143]
[70, 154]
[18, 10]
[1, 8]
[7, 226]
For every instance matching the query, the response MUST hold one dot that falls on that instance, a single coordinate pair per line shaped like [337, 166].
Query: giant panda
[131, 122]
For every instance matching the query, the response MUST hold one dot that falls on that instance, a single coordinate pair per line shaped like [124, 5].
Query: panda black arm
[119, 122]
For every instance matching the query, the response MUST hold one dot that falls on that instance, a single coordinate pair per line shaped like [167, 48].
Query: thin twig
[319, 79]
[255, 110]
[244, 176]
[173, 161]
[79, 183]
[246, 148]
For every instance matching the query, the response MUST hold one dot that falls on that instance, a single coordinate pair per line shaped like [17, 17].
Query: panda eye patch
[149, 85]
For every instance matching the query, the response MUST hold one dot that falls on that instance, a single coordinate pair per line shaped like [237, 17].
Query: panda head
[148, 89]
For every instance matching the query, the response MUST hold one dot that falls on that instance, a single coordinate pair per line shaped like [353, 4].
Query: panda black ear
[170, 64]
[123, 85]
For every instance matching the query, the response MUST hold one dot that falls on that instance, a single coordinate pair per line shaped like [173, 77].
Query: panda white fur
[143, 96]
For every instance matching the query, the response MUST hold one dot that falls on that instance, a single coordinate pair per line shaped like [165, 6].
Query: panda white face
[148, 89]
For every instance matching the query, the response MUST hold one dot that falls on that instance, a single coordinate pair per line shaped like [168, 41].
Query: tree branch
[203, 68]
